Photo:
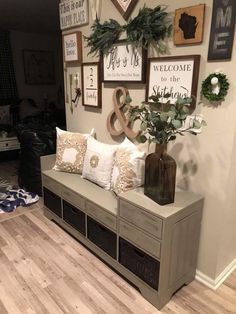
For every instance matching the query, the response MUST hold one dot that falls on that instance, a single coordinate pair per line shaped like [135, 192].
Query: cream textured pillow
[129, 167]
[71, 148]
[98, 162]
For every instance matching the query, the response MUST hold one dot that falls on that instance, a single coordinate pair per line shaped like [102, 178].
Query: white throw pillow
[129, 167]
[98, 162]
[71, 148]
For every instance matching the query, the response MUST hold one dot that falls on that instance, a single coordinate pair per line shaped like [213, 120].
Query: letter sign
[222, 30]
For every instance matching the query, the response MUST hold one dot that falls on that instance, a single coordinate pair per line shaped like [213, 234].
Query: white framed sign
[124, 63]
[91, 84]
[73, 13]
[177, 76]
[72, 47]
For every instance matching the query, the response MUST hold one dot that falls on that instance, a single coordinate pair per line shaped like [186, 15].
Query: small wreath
[215, 87]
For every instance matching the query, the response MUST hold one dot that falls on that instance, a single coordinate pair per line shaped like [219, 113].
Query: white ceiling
[40, 16]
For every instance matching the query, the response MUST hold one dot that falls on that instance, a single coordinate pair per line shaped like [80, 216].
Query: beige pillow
[98, 162]
[71, 148]
[129, 167]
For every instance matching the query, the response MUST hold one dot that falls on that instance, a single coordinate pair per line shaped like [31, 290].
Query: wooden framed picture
[39, 67]
[73, 13]
[189, 25]
[72, 47]
[91, 85]
[125, 7]
[177, 76]
[124, 63]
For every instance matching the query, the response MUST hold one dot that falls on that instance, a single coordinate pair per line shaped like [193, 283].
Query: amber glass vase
[160, 174]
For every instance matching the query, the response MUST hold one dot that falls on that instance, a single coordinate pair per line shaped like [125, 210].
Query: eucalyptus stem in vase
[161, 122]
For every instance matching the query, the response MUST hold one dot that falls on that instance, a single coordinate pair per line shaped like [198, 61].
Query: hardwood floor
[44, 270]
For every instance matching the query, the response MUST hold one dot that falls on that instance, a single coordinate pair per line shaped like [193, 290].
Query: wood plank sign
[188, 25]
[222, 29]
[73, 13]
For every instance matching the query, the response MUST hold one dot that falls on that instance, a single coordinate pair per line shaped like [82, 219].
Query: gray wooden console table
[155, 247]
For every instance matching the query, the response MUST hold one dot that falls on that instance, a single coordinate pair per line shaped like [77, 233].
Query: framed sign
[188, 25]
[39, 67]
[124, 63]
[125, 7]
[177, 76]
[222, 30]
[73, 13]
[72, 47]
[91, 84]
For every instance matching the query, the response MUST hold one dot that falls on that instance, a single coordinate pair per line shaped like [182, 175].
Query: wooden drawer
[9, 145]
[73, 198]
[142, 240]
[104, 238]
[139, 263]
[51, 185]
[141, 218]
[101, 215]
[74, 217]
[52, 201]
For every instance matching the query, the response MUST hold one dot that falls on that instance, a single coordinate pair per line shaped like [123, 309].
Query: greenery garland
[149, 25]
[223, 87]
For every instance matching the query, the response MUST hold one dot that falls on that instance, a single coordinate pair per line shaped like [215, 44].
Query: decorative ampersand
[118, 114]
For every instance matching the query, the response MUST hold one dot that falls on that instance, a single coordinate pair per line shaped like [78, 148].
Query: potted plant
[161, 122]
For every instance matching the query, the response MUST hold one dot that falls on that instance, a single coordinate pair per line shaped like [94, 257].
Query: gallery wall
[206, 163]
[41, 42]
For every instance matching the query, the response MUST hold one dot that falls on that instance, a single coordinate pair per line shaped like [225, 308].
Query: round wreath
[219, 79]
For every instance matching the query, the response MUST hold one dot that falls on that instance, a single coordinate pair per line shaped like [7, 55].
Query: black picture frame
[39, 68]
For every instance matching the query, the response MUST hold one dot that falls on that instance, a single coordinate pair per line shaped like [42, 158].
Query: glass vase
[160, 175]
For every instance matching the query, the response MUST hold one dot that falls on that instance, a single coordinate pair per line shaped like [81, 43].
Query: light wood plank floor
[44, 270]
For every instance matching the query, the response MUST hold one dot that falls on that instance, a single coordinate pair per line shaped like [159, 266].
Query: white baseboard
[215, 283]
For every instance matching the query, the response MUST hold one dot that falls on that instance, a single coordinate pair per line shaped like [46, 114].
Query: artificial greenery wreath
[215, 87]
[149, 25]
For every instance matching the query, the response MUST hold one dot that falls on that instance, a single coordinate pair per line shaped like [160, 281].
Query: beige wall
[206, 162]
[19, 42]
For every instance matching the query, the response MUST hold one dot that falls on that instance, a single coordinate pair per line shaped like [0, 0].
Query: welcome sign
[73, 13]
[176, 76]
